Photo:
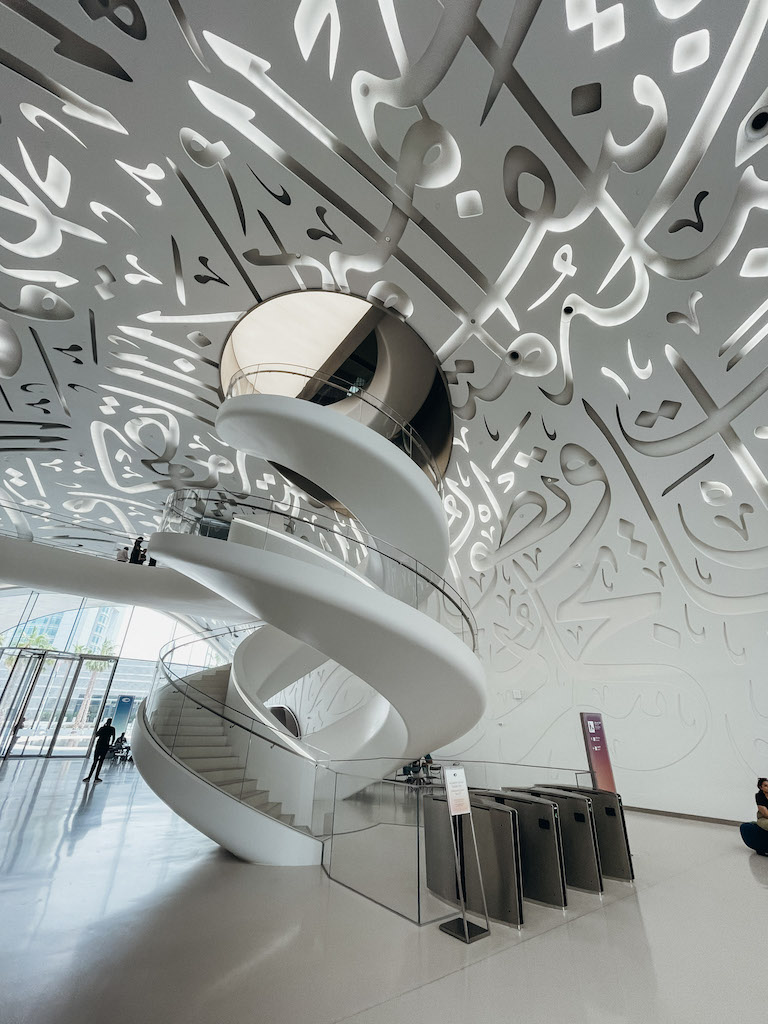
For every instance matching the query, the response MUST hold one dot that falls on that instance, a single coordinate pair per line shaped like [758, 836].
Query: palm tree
[33, 637]
[106, 648]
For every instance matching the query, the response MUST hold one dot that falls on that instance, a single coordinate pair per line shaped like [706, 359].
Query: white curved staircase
[326, 593]
[202, 742]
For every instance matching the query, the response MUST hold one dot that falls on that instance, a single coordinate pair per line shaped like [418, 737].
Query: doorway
[51, 702]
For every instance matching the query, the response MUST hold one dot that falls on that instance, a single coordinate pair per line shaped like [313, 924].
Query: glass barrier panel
[375, 843]
[327, 542]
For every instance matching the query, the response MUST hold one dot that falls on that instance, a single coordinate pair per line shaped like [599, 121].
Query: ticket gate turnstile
[541, 845]
[580, 844]
[612, 839]
[497, 831]
[498, 851]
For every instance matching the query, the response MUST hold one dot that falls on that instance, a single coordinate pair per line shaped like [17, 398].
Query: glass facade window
[67, 664]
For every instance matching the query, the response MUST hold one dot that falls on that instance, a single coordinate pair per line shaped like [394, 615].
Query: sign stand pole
[458, 805]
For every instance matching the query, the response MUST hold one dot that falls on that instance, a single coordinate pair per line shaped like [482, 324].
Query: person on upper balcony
[135, 556]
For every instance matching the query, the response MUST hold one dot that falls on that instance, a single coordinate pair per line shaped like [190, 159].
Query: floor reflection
[83, 817]
[111, 905]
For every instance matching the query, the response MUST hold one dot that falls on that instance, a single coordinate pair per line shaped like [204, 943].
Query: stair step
[186, 750]
[244, 790]
[213, 742]
[265, 806]
[200, 716]
[220, 775]
[204, 763]
[199, 731]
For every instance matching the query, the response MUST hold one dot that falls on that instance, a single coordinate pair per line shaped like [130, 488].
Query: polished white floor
[112, 909]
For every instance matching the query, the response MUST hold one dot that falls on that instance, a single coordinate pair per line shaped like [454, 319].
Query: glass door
[47, 697]
[82, 713]
[20, 667]
[51, 704]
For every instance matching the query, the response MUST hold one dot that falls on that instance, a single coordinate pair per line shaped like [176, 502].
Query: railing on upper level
[327, 390]
[18, 527]
[338, 543]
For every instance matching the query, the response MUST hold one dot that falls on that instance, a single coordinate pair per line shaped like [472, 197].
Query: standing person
[104, 738]
[136, 551]
[761, 799]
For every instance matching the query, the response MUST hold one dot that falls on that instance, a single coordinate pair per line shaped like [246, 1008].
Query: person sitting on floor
[761, 799]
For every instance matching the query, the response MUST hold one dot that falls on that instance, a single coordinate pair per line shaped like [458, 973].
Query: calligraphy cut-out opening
[335, 349]
[530, 189]
[758, 124]
[586, 99]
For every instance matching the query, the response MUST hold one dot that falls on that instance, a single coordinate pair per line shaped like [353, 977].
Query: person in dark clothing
[761, 799]
[104, 738]
[136, 551]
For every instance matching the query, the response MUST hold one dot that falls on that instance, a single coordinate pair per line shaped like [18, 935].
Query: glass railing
[372, 826]
[372, 829]
[18, 521]
[377, 844]
[324, 389]
[335, 543]
[266, 765]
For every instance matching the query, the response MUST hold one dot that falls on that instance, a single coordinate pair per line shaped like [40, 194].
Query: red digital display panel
[598, 758]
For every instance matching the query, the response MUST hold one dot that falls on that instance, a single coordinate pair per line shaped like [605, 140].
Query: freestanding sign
[457, 797]
[598, 758]
[122, 713]
[456, 791]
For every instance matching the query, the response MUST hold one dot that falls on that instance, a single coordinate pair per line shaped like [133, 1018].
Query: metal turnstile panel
[541, 847]
[580, 845]
[612, 839]
[498, 851]
[438, 848]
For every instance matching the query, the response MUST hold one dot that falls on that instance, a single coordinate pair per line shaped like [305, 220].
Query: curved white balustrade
[376, 614]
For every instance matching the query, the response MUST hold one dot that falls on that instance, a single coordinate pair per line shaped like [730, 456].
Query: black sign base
[456, 929]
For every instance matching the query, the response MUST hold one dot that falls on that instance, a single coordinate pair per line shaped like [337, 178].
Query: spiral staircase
[363, 590]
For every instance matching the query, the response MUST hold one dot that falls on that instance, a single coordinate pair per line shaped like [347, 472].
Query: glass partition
[377, 846]
[335, 542]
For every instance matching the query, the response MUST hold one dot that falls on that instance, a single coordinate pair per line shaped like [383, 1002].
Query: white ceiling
[567, 201]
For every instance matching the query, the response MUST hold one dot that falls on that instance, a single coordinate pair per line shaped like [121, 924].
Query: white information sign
[456, 791]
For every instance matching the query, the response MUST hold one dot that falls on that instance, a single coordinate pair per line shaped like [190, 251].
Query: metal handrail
[174, 511]
[403, 426]
[181, 684]
[119, 538]
[275, 738]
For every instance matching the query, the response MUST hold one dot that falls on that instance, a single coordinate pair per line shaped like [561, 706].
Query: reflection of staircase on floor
[199, 738]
